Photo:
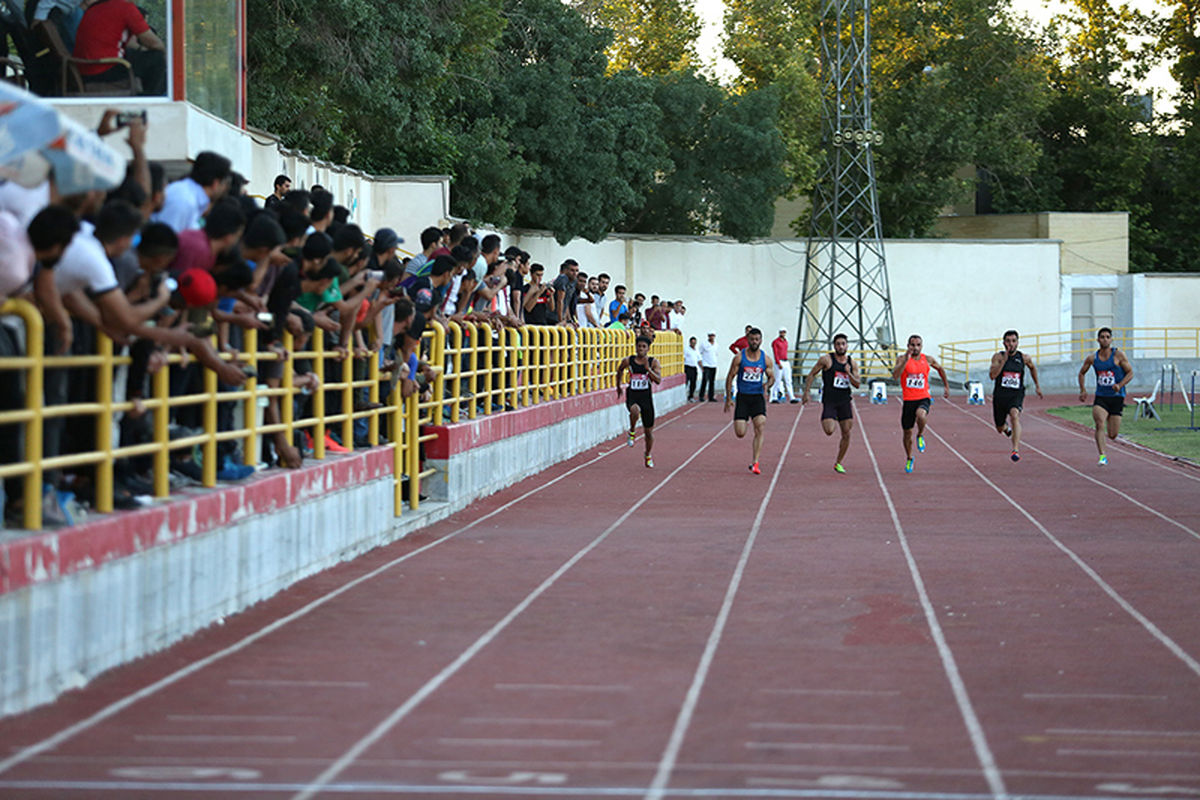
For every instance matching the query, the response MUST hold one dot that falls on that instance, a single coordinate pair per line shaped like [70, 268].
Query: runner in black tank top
[1008, 393]
[839, 373]
[643, 371]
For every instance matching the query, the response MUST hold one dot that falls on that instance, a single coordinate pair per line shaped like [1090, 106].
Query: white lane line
[1099, 483]
[433, 684]
[1063, 751]
[873, 748]
[581, 723]
[820, 726]
[305, 684]
[1154, 734]
[1063, 425]
[863, 692]
[1093, 696]
[460, 742]
[166, 737]
[1191, 663]
[52, 742]
[239, 718]
[983, 752]
[559, 687]
[666, 764]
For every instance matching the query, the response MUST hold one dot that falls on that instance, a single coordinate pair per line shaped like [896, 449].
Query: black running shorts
[749, 406]
[908, 413]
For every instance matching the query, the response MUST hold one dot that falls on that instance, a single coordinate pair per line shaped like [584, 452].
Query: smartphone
[265, 316]
[125, 117]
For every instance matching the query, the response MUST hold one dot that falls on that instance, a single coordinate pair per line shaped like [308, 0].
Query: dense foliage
[593, 116]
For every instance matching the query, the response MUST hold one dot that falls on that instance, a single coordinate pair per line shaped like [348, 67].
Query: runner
[643, 370]
[838, 373]
[1113, 373]
[914, 366]
[755, 376]
[1008, 395]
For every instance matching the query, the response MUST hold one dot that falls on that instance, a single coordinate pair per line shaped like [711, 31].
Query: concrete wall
[81, 600]
[1093, 243]
[944, 290]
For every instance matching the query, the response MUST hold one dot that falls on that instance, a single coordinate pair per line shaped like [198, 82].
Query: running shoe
[838, 468]
[1104, 461]
[908, 465]
[334, 446]
[649, 462]
[920, 445]
[754, 468]
[631, 438]
[1007, 431]
[1016, 456]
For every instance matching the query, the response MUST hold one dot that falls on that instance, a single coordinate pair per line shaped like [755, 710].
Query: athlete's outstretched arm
[624, 365]
[1123, 362]
[1087, 365]
[900, 362]
[855, 378]
[933, 362]
[822, 363]
[1033, 374]
[733, 370]
[770, 378]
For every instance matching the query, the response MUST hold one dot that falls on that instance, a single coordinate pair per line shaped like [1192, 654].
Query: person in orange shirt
[912, 371]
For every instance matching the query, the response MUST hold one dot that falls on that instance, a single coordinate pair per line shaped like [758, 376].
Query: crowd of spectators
[193, 265]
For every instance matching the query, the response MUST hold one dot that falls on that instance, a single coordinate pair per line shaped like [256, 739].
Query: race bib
[1010, 380]
[639, 382]
[1106, 378]
[753, 374]
[915, 380]
[841, 380]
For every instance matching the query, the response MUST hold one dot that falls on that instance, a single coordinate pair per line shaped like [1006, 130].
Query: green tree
[653, 37]
[772, 44]
[955, 84]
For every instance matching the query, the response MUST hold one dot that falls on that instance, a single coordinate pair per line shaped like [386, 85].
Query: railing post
[412, 434]
[399, 447]
[161, 390]
[318, 396]
[250, 445]
[208, 472]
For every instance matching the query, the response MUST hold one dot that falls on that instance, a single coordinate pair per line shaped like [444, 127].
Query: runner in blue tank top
[755, 375]
[1113, 373]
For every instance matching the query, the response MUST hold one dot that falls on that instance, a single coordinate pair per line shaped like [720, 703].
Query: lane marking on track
[433, 684]
[459, 742]
[239, 718]
[582, 723]
[1094, 696]
[215, 737]
[1155, 734]
[666, 764]
[1063, 751]
[822, 726]
[1191, 663]
[1059, 424]
[873, 748]
[53, 741]
[1099, 483]
[306, 684]
[834, 692]
[983, 752]
[559, 687]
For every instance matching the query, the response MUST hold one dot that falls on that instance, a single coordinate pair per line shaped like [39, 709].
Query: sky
[709, 45]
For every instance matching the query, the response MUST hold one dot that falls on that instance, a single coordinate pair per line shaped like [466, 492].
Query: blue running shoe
[920, 444]
[908, 465]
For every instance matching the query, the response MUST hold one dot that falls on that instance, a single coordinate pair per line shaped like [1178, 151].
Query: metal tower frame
[845, 273]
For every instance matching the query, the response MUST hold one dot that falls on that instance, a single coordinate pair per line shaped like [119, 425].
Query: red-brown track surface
[976, 629]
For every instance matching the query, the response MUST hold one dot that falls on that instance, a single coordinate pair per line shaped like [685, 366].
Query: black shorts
[749, 406]
[1113, 405]
[838, 411]
[908, 411]
[644, 401]
[1003, 403]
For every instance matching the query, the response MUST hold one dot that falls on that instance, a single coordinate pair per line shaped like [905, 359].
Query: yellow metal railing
[975, 355]
[475, 370]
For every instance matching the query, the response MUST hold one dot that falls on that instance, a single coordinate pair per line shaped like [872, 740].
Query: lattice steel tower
[845, 274]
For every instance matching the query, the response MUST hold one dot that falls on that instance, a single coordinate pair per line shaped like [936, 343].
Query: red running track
[977, 629]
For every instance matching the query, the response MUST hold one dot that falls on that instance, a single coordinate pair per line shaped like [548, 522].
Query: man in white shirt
[187, 200]
[708, 367]
[691, 364]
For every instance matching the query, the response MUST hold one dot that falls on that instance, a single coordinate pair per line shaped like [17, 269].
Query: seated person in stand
[107, 26]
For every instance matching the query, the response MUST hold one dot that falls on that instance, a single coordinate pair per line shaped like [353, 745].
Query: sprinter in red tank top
[912, 371]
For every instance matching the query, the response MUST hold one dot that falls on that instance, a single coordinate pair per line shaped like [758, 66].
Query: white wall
[944, 290]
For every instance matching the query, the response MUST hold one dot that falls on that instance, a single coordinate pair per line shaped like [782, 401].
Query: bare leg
[829, 426]
[739, 428]
[1014, 422]
[1114, 425]
[648, 433]
[844, 445]
[1100, 418]
[760, 426]
[634, 413]
[921, 415]
[908, 442]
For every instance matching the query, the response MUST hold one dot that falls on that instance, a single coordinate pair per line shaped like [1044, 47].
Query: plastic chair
[72, 83]
[1145, 405]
